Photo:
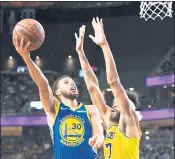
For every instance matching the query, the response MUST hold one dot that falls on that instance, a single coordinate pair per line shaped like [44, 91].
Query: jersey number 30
[109, 146]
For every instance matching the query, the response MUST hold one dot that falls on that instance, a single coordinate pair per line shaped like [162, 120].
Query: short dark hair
[54, 88]
[133, 96]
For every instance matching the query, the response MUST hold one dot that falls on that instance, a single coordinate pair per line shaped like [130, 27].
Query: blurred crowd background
[143, 51]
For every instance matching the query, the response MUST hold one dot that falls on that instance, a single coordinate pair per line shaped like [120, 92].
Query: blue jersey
[71, 132]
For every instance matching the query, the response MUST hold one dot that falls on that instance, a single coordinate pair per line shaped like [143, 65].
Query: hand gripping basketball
[20, 47]
[30, 30]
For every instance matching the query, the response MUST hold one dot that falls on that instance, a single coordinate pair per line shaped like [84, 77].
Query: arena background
[143, 51]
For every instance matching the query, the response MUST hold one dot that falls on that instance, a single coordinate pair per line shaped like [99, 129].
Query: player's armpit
[47, 100]
[132, 128]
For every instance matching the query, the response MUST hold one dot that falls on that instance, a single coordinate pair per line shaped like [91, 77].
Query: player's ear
[58, 92]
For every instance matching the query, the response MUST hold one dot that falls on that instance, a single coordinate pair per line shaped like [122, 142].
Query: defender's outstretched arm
[128, 115]
[111, 71]
[89, 76]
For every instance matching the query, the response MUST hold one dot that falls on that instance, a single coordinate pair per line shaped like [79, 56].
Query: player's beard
[115, 117]
[70, 96]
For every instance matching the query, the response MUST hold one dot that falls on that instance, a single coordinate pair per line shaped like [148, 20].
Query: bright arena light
[36, 104]
[131, 89]
[149, 106]
[146, 132]
[69, 56]
[147, 137]
[108, 89]
[37, 57]
[10, 57]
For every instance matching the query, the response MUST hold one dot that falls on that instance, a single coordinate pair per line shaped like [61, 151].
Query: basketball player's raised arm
[89, 76]
[87, 70]
[112, 75]
[36, 74]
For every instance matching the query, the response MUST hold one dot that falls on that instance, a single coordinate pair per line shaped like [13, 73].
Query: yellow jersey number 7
[109, 146]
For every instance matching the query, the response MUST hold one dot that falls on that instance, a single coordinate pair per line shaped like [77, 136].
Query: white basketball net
[152, 10]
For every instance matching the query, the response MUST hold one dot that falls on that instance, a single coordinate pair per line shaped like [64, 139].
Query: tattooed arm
[87, 70]
[90, 78]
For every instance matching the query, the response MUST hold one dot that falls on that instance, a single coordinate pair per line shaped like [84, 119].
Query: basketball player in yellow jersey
[121, 121]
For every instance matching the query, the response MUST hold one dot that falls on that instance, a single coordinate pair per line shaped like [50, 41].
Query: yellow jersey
[119, 146]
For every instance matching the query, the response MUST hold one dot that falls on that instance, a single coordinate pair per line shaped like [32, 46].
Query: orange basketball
[31, 30]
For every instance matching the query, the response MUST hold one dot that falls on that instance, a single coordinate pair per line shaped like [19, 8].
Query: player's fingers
[99, 142]
[96, 146]
[101, 21]
[91, 141]
[97, 19]
[21, 46]
[16, 43]
[13, 39]
[27, 46]
[76, 36]
[93, 22]
[82, 31]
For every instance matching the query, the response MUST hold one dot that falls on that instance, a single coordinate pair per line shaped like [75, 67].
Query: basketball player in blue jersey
[76, 129]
